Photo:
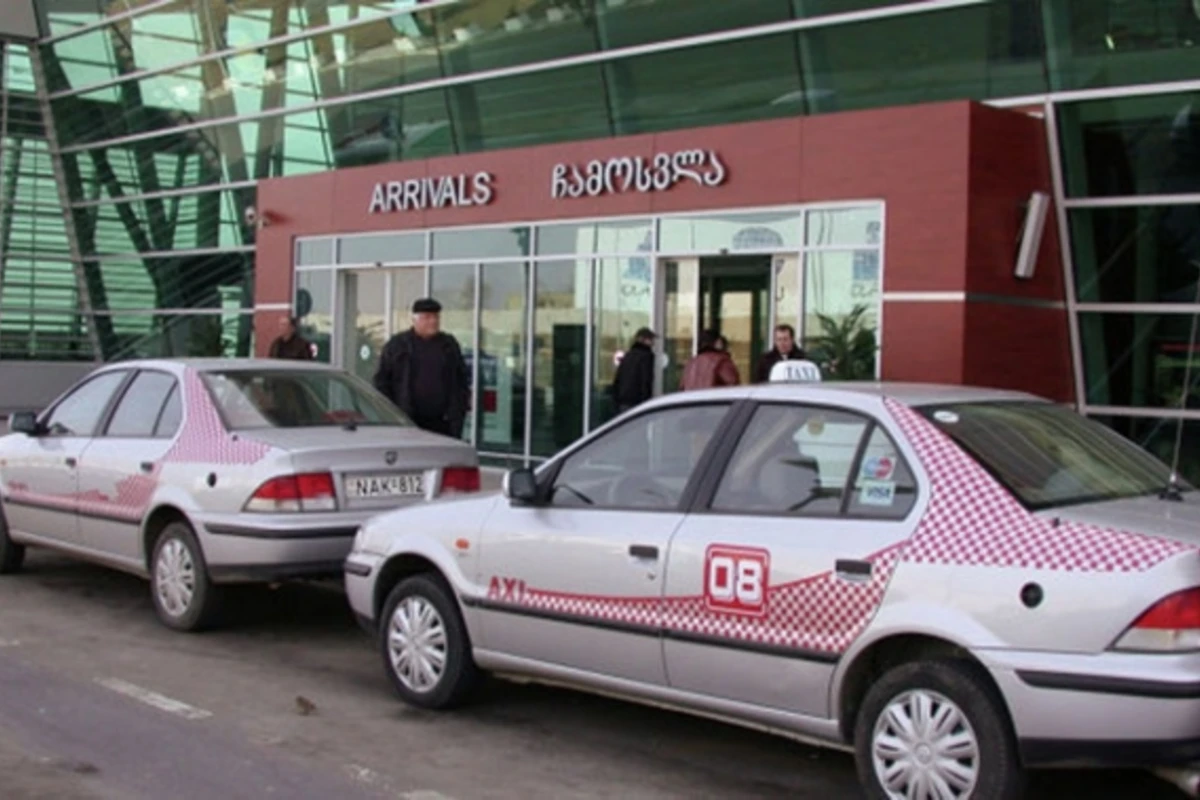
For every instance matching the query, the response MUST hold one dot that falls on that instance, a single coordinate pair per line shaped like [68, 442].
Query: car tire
[12, 555]
[185, 598]
[968, 721]
[422, 607]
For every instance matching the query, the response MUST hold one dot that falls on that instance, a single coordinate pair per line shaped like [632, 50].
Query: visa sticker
[878, 468]
[877, 493]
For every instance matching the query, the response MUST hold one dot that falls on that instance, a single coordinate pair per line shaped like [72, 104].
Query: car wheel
[12, 555]
[426, 651]
[936, 730]
[184, 597]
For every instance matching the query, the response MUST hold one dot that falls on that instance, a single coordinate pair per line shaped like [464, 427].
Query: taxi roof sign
[799, 371]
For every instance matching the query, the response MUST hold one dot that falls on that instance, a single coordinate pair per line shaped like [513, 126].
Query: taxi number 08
[735, 579]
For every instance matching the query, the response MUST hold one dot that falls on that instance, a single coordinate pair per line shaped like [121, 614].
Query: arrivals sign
[419, 194]
[641, 174]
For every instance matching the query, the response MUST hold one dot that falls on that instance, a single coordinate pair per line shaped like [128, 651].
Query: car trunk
[372, 466]
[1149, 515]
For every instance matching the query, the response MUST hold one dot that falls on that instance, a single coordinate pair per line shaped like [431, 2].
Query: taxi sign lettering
[799, 371]
[736, 579]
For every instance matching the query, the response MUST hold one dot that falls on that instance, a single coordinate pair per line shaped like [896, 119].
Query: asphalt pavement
[99, 702]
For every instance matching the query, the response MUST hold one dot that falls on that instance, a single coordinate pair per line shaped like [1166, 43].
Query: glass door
[735, 301]
[376, 304]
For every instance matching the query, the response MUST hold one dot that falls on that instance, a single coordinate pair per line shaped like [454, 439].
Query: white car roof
[221, 364]
[910, 394]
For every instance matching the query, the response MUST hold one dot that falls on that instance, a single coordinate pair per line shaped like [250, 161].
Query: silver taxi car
[201, 473]
[956, 584]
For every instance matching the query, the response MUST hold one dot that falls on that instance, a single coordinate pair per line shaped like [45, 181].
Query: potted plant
[845, 350]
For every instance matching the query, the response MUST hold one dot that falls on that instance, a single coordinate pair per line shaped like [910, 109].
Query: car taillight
[1170, 625]
[310, 491]
[460, 479]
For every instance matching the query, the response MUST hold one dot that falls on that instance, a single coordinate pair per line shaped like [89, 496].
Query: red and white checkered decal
[202, 439]
[970, 520]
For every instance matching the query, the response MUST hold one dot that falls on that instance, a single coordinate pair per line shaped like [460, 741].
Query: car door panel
[578, 581]
[764, 599]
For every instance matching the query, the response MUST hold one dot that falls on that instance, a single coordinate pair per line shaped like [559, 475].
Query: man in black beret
[423, 372]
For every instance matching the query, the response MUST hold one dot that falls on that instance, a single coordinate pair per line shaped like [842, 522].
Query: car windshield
[280, 398]
[1048, 455]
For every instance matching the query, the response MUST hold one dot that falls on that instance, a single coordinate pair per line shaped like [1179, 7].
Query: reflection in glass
[623, 24]
[1131, 145]
[314, 252]
[453, 285]
[843, 226]
[559, 349]
[1139, 359]
[622, 305]
[1141, 254]
[388, 248]
[502, 357]
[1158, 435]
[601, 238]
[841, 312]
[465, 243]
[408, 286]
[787, 292]
[365, 322]
[681, 277]
[718, 233]
[314, 292]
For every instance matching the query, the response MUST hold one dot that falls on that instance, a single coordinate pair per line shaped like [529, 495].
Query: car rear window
[1050, 456]
[250, 399]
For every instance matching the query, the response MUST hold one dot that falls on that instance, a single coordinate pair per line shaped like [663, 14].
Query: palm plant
[845, 350]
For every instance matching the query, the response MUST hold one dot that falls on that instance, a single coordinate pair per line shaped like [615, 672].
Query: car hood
[1147, 515]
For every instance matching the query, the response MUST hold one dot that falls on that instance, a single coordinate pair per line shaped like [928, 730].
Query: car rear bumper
[1110, 709]
[249, 548]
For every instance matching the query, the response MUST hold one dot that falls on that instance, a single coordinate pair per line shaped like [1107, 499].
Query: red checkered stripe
[973, 520]
[821, 613]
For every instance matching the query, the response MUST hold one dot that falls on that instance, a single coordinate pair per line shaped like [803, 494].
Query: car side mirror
[520, 485]
[25, 422]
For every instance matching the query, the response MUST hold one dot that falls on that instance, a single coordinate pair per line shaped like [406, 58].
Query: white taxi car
[956, 584]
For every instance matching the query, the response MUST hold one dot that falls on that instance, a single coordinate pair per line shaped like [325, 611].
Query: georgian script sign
[657, 174]
[418, 194]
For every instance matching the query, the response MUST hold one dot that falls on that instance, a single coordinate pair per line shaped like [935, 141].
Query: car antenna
[1171, 492]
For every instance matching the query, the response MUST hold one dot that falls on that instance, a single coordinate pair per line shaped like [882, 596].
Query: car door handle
[852, 570]
[647, 551]
[71, 462]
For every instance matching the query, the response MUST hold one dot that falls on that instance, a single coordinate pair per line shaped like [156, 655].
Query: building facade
[862, 169]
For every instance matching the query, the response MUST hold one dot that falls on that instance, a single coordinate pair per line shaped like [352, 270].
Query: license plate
[372, 486]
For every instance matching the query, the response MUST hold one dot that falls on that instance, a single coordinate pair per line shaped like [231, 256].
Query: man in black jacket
[634, 381]
[423, 372]
[785, 349]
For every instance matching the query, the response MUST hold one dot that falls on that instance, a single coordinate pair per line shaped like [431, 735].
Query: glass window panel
[1095, 43]
[39, 336]
[841, 312]
[223, 335]
[884, 486]
[682, 278]
[622, 23]
[137, 413]
[1139, 359]
[314, 308]
[622, 236]
[787, 291]
[388, 248]
[622, 305]
[391, 128]
[502, 363]
[314, 252]
[79, 413]
[1158, 436]
[732, 82]
[474, 38]
[408, 286]
[1147, 254]
[730, 232]
[555, 106]
[1131, 145]
[365, 321]
[979, 51]
[791, 460]
[172, 415]
[559, 350]
[843, 226]
[457, 245]
[454, 287]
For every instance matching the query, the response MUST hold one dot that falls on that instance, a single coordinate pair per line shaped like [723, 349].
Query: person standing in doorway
[423, 372]
[634, 381]
[785, 349]
[290, 344]
[712, 365]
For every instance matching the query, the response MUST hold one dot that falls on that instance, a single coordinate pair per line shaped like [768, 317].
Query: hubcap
[175, 578]
[417, 644]
[924, 748]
